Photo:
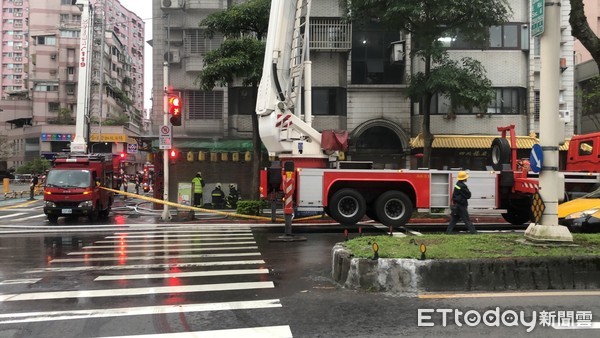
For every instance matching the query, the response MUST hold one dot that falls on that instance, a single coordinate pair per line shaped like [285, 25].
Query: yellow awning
[474, 142]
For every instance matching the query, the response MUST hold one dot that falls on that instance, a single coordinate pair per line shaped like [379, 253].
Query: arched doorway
[381, 141]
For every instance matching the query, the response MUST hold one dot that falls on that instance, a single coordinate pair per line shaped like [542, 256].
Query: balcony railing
[330, 34]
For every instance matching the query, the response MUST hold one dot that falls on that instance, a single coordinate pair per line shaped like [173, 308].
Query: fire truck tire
[52, 219]
[347, 206]
[517, 216]
[104, 213]
[93, 216]
[393, 208]
[500, 153]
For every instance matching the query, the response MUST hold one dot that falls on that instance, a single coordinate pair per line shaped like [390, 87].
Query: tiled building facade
[38, 115]
[360, 86]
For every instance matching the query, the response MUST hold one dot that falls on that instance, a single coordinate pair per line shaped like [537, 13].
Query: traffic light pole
[166, 215]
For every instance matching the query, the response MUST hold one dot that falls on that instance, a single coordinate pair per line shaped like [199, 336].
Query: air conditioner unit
[174, 56]
[53, 56]
[565, 115]
[172, 4]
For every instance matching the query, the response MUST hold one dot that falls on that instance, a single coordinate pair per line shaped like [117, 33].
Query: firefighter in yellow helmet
[460, 202]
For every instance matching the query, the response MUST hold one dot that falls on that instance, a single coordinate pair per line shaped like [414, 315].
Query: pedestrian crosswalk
[173, 273]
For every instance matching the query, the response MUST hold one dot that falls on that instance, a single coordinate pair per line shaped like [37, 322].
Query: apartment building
[39, 114]
[360, 79]
[587, 119]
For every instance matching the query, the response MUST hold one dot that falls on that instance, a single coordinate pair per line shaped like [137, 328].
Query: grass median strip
[441, 246]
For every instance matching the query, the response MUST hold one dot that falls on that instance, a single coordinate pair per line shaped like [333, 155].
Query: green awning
[210, 145]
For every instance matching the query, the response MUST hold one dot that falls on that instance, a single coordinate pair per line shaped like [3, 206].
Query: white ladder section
[299, 49]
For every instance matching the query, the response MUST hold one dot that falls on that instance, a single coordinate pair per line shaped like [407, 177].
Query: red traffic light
[172, 153]
[175, 110]
[122, 156]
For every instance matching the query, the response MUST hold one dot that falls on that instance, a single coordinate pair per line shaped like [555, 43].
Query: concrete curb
[411, 276]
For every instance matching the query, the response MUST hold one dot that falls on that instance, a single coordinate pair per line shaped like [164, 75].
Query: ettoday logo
[558, 319]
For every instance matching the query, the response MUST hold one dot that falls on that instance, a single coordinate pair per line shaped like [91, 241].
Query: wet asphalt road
[134, 275]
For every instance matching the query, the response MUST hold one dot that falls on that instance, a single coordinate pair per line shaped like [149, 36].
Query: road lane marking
[126, 251]
[20, 281]
[177, 240]
[508, 294]
[210, 231]
[146, 258]
[184, 274]
[27, 317]
[147, 266]
[135, 291]
[170, 245]
[27, 218]
[13, 215]
[282, 331]
[215, 235]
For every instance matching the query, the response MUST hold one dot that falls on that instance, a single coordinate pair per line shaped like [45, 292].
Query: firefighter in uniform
[460, 200]
[198, 184]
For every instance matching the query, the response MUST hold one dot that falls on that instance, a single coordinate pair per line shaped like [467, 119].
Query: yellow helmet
[462, 175]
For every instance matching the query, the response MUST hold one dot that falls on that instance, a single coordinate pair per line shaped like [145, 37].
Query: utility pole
[166, 215]
[550, 128]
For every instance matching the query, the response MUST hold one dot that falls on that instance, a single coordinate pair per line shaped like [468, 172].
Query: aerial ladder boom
[79, 144]
[282, 128]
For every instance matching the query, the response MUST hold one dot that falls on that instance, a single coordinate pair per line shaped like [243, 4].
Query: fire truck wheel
[104, 213]
[516, 216]
[93, 216]
[53, 219]
[500, 153]
[347, 206]
[393, 208]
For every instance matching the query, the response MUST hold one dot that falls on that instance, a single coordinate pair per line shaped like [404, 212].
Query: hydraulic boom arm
[282, 127]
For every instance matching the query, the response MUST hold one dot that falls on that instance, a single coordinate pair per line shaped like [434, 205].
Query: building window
[242, 100]
[70, 70]
[329, 101]
[506, 36]
[53, 106]
[70, 88]
[196, 42]
[510, 100]
[69, 34]
[371, 55]
[203, 105]
[67, 2]
[44, 87]
[46, 40]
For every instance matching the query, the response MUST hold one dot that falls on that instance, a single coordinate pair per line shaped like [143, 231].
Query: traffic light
[175, 109]
[122, 156]
[173, 154]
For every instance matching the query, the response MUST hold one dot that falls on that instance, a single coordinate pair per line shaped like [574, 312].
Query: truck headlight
[580, 214]
[49, 204]
[85, 204]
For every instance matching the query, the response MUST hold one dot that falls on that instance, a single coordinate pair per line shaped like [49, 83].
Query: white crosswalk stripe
[179, 262]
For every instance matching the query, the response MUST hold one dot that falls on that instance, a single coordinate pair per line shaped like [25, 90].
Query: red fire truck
[73, 187]
[314, 180]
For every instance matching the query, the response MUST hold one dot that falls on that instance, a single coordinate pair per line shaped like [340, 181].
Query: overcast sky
[143, 8]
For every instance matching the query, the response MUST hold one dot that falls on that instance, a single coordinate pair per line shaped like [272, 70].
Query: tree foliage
[240, 57]
[581, 30]
[38, 166]
[427, 21]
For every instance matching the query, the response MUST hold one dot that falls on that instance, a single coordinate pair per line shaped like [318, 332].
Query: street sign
[132, 148]
[165, 137]
[537, 17]
[536, 158]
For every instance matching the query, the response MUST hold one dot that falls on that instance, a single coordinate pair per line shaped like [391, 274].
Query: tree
[240, 56]
[581, 30]
[38, 166]
[427, 21]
